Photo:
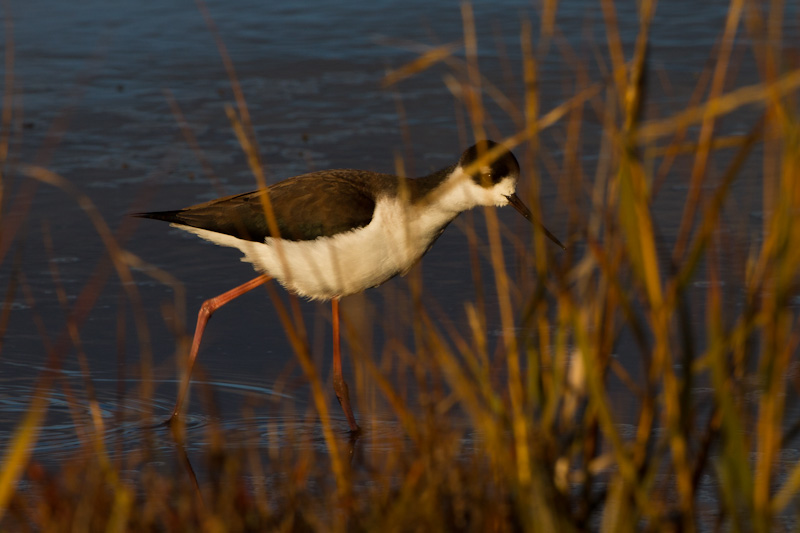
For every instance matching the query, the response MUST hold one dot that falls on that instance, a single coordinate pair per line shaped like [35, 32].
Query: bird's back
[306, 207]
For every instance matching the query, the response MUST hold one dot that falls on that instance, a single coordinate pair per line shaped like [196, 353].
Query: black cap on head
[503, 165]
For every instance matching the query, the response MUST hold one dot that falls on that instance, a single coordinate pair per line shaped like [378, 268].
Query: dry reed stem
[725, 104]
[699, 168]
[245, 134]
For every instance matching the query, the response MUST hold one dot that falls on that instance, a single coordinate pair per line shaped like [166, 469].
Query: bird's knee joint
[207, 308]
[340, 387]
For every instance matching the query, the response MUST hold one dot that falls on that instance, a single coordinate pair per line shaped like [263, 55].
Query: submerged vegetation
[693, 427]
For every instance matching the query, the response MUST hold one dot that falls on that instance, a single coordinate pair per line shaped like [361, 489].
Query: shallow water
[96, 85]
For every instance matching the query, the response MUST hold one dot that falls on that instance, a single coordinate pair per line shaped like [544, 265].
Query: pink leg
[339, 385]
[206, 310]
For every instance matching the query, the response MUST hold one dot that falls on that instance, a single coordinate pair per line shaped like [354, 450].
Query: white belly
[347, 263]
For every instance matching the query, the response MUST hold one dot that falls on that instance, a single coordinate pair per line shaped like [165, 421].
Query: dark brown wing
[306, 207]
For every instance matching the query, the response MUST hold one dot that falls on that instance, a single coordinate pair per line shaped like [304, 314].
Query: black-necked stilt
[343, 231]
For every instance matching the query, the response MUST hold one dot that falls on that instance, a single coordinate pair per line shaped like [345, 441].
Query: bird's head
[493, 168]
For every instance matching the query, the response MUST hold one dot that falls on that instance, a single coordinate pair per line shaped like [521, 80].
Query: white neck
[459, 193]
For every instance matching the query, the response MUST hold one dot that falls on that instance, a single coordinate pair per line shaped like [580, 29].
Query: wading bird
[328, 234]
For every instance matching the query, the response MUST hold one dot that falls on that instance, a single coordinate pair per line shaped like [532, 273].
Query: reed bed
[610, 400]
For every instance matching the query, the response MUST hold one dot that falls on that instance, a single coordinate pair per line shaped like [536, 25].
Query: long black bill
[514, 200]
